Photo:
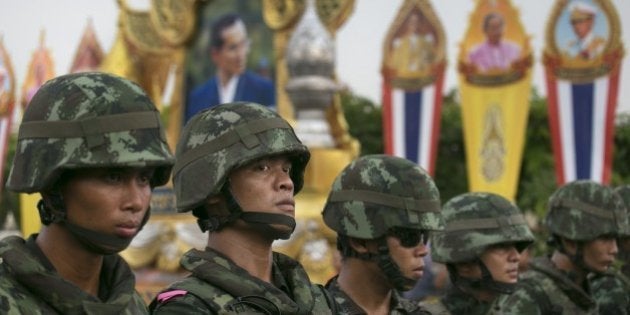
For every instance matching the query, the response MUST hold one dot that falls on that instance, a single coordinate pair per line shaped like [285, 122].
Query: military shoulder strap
[435, 307]
[185, 288]
[332, 304]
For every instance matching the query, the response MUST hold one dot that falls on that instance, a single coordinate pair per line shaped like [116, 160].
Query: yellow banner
[28, 213]
[494, 122]
[495, 84]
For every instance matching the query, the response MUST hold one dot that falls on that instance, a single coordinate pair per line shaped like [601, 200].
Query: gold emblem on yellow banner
[494, 65]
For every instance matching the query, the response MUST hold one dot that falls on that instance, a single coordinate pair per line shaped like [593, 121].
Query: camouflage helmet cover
[624, 192]
[377, 192]
[223, 138]
[87, 120]
[475, 221]
[584, 210]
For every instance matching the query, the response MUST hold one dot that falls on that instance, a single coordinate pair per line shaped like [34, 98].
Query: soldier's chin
[281, 231]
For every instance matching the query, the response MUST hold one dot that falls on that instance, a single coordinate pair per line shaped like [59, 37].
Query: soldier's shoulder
[189, 296]
[14, 299]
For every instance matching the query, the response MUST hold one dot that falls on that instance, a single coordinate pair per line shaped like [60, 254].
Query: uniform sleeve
[186, 304]
[523, 301]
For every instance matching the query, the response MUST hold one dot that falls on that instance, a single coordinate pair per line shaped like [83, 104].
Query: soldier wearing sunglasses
[480, 245]
[382, 208]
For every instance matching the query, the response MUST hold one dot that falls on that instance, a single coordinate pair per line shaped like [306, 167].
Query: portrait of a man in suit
[229, 48]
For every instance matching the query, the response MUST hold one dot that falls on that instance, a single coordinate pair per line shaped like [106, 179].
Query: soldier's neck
[564, 263]
[71, 260]
[364, 283]
[245, 250]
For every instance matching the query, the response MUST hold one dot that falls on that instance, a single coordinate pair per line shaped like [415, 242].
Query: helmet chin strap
[391, 269]
[275, 225]
[97, 242]
[577, 260]
[486, 282]
[384, 261]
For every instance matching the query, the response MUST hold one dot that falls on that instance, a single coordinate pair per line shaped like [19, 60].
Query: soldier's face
[231, 58]
[599, 254]
[109, 200]
[264, 186]
[408, 259]
[502, 261]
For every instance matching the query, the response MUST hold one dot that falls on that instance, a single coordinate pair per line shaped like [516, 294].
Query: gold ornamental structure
[150, 48]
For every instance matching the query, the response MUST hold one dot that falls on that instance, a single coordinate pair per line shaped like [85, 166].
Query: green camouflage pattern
[457, 302]
[29, 286]
[346, 306]
[38, 162]
[612, 292]
[544, 289]
[577, 223]
[624, 192]
[393, 176]
[206, 174]
[467, 243]
[216, 284]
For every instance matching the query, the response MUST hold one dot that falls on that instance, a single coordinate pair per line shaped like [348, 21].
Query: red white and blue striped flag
[582, 61]
[581, 117]
[411, 121]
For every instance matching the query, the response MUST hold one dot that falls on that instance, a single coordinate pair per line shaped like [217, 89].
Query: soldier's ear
[359, 245]
[468, 270]
[569, 246]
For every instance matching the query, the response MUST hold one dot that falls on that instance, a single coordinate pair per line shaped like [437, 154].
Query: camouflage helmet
[223, 138]
[87, 120]
[624, 192]
[475, 221]
[378, 192]
[584, 210]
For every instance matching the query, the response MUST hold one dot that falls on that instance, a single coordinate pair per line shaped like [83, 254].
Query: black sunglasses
[410, 237]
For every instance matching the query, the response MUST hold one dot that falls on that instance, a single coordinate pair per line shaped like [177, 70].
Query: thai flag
[581, 117]
[411, 122]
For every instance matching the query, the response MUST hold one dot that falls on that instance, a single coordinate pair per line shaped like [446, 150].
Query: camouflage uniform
[399, 305]
[612, 293]
[74, 122]
[218, 286]
[460, 302]
[611, 290]
[213, 143]
[475, 221]
[371, 198]
[581, 211]
[30, 285]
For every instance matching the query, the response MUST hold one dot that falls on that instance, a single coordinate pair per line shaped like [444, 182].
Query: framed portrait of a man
[583, 40]
[414, 49]
[230, 58]
[495, 49]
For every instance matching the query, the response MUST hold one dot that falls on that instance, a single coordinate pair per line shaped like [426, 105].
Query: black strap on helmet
[90, 128]
[487, 223]
[245, 133]
[486, 282]
[391, 269]
[414, 207]
[260, 220]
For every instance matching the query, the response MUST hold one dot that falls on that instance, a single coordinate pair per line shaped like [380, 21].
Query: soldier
[93, 146]
[382, 208]
[583, 220]
[480, 245]
[238, 167]
[611, 289]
